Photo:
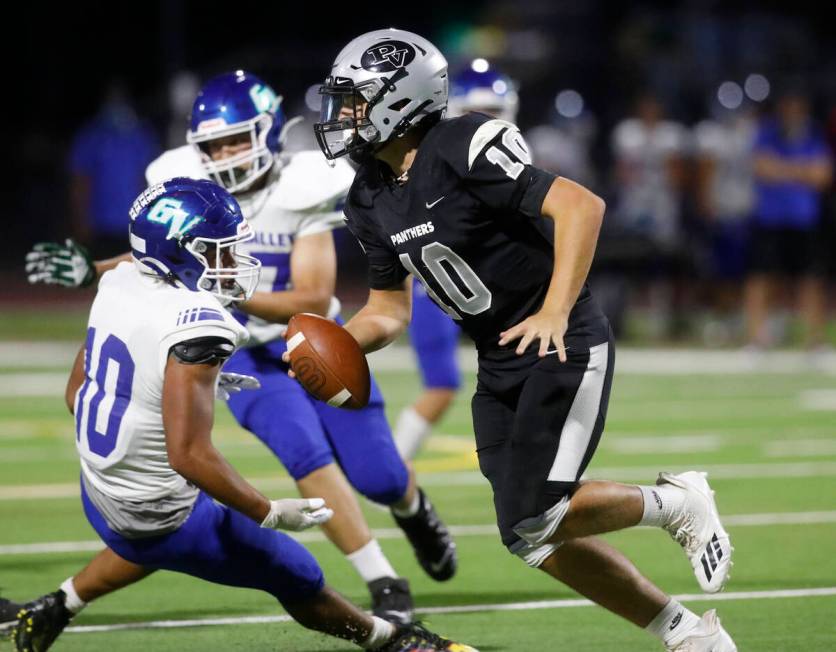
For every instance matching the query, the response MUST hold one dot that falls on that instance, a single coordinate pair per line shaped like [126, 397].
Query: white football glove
[296, 514]
[230, 383]
[69, 264]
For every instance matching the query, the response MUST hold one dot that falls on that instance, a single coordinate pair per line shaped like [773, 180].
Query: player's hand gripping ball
[327, 361]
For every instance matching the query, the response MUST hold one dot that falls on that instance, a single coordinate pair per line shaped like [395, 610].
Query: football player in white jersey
[142, 390]
[293, 203]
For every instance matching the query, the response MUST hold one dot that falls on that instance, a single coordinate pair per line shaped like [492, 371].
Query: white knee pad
[534, 556]
[539, 529]
[535, 531]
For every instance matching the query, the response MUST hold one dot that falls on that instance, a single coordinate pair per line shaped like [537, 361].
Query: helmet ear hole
[400, 104]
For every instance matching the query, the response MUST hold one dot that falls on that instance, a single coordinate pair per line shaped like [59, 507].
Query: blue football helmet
[480, 88]
[231, 104]
[186, 230]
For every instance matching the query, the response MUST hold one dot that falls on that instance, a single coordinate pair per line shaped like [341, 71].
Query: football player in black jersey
[504, 249]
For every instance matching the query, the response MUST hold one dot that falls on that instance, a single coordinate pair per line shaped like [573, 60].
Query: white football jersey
[134, 321]
[303, 197]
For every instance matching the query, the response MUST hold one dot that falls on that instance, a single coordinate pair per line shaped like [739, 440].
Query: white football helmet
[381, 84]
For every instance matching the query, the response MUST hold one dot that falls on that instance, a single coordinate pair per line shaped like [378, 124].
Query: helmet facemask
[344, 126]
[236, 173]
[228, 275]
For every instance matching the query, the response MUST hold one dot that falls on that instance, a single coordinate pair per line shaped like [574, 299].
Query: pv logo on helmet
[387, 56]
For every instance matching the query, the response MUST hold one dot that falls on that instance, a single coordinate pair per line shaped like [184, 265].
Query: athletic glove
[296, 514]
[52, 263]
[230, 383]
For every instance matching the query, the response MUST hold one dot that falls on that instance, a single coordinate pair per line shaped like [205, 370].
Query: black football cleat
[40, 622]
[391, 600]
[414, 638]
[8, 615]
[431, 540]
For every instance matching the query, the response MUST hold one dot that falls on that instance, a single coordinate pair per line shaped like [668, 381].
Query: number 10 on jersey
[462, 287]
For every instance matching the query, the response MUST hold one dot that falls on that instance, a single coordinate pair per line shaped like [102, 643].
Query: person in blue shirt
[792, 169]
[107, 164]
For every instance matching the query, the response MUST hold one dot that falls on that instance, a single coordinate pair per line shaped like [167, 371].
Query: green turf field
[768, 440]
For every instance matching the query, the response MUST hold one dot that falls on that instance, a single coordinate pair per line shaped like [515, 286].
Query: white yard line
[475, 478]
[734, 520]
[40, 384]
[799, 447]
[818, 399]
[459, 609]
[700, 443]
[655, 361]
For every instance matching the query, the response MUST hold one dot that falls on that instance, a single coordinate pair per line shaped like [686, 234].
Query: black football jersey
[467, 224]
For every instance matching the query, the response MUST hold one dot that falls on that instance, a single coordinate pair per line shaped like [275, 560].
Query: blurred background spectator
[610, 94]
[650, 154]
[792, 171]
[107, 165]
[724, 199]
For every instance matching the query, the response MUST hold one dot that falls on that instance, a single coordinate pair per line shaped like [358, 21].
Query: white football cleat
[707, 636]
[698, 530]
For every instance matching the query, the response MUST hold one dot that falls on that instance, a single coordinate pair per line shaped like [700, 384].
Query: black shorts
[538, 422]
[785, 251]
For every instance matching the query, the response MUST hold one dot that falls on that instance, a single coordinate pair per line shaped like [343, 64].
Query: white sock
[411, 430]
[661, 504]
[411, 509]
[370, 562]
[382, 632]
[73, 603]
[673, 623]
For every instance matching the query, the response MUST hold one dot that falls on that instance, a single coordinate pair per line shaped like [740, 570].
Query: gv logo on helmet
[387, 56]
[167, 211]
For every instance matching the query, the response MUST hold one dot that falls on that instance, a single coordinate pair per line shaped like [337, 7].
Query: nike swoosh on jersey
[430, 205]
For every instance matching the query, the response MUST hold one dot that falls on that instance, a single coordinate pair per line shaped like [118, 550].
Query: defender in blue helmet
[483, 89]
[240, 116]
[292, 202]
[142, 390]
[186, 231]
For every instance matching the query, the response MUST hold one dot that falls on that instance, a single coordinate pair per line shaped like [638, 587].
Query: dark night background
[60, 60]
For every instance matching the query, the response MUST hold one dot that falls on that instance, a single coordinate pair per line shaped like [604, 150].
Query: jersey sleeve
[325, 217]
[183, 161]
[494, 163]
[385, 270]
[203, 317]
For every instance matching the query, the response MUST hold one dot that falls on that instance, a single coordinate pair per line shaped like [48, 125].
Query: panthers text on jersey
[302, 197]
[467, 224]
[134, 321]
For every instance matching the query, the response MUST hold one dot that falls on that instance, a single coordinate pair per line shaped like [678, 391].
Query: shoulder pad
[307, 181]
[203, 350]
[458, 141]
[180, 162]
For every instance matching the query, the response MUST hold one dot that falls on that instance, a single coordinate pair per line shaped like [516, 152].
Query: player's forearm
[106, 265]
[374, 330]
[207, 469]
[279, 307]
[577, 214]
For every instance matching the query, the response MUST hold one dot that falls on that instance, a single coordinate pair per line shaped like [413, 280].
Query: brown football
[328, 361]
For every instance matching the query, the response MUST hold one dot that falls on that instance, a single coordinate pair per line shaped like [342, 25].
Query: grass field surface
[766, 433]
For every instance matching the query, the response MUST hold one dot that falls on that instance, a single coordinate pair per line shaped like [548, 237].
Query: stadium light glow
[569, 103]
[480, 65]
[757, 87]
[730, 95]
[499, 87]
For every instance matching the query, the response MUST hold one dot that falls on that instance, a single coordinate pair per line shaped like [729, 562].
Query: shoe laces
[682, 531]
